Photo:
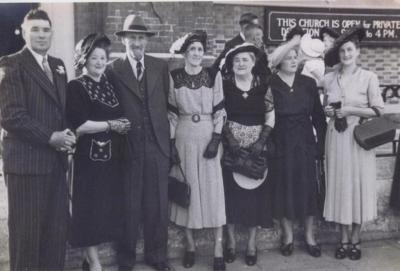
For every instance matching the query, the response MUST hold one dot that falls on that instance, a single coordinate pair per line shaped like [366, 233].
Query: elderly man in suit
[143, 83]
[32, 100]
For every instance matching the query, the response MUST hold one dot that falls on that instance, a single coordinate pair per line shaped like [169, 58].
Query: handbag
[245, 164]
[179, 192]
[374, 132]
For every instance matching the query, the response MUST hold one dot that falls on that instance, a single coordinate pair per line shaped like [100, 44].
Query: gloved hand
[212, 147]
[175, 160]
[121, 125]
[233, 144]
[257, 147]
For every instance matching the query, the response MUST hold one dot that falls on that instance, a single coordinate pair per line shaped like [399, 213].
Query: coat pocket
[100, 150]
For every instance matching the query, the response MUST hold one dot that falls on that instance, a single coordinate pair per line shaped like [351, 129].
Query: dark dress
[98, 163]
[292, 169]
[246, 116]
[395, 193]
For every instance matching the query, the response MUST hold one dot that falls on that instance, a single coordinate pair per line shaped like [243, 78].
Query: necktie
[47, 70]
[138, 70]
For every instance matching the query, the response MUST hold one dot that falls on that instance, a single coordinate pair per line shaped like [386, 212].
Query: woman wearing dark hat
[250, 110]
[351, 171]
[197, 114]
[328, 36]
[298, 111]
[94, 111]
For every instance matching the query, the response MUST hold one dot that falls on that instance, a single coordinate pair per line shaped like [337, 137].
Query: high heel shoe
[229, 255]
[189, 259]
[341, 251]
[314, 250]
[287, 249]
[251, 259]
[219, 264]
[353, 252]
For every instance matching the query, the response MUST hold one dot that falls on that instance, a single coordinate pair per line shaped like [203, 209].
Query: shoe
[85, 265]
[342, 251]
[219, 264]
[188, 259]
[287, 249]
[251, 260]
[353, 252]
[314, 250]
[160, 266]
[230, 255]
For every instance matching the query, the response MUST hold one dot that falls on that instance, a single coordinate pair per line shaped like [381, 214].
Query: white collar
[38, 57]
[134, 61]
[242, 36]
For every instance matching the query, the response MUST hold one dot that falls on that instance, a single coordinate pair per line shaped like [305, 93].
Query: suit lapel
[151, 75]
[59, 80]
[33, 68]
[123, 70]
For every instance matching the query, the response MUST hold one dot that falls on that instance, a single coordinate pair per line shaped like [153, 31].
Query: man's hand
[63, 140]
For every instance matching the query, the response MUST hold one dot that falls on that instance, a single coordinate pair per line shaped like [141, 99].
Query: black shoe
[353, 252]
[341, 251]
[188, 259]
[230, 255]
[160, 266]
[314, 250]
[287, 249]
[85, 265]
[219, 264]
[251, 259]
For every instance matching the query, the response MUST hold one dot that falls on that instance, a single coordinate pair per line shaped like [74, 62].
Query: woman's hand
[329, 111]
[343, 111]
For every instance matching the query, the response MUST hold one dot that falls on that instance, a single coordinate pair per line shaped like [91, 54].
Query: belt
[196, 117]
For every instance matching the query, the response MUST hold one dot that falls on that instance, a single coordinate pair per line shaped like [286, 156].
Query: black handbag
[244, 163]
[375, 132]
[179, 192]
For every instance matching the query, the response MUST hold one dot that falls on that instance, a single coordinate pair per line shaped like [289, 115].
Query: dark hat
[329, 31]
[247, 18]
[332, 56]
[85, 47]
[180, 46]
[297, 30]
[134, 24]
[244, 47]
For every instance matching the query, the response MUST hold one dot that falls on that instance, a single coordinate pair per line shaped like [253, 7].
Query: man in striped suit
[32, 102]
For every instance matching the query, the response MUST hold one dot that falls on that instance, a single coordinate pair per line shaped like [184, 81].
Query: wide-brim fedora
[332, 56]
[134, 24]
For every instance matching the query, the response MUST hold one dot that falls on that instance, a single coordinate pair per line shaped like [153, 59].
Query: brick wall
[221, 21]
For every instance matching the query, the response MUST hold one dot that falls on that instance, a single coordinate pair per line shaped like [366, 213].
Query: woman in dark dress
[94, 112]
[249, 106]
[293, 175]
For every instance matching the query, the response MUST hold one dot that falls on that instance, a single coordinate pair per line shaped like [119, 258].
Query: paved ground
[377, 256]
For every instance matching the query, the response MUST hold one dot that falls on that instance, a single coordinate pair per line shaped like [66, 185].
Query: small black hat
[247, 18]
[329, 31]
[332, 56]
[297, 30]
[85, 47]
[244, 47]
[195, 35]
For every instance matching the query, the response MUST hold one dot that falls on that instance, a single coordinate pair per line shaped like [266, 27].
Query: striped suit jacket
[32, 108]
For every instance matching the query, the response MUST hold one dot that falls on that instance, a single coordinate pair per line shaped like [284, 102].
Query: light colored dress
[350, 170]
[196, 111]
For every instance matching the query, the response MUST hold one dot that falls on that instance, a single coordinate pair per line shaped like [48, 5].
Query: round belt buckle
[196, 118]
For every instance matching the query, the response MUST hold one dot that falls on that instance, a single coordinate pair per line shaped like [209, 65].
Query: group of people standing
[131, 123]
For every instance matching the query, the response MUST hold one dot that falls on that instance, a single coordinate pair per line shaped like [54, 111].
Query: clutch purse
[179, 192]
[375, 132]
[245, 164]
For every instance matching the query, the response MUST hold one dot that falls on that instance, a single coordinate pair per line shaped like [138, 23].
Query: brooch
[60, 69]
